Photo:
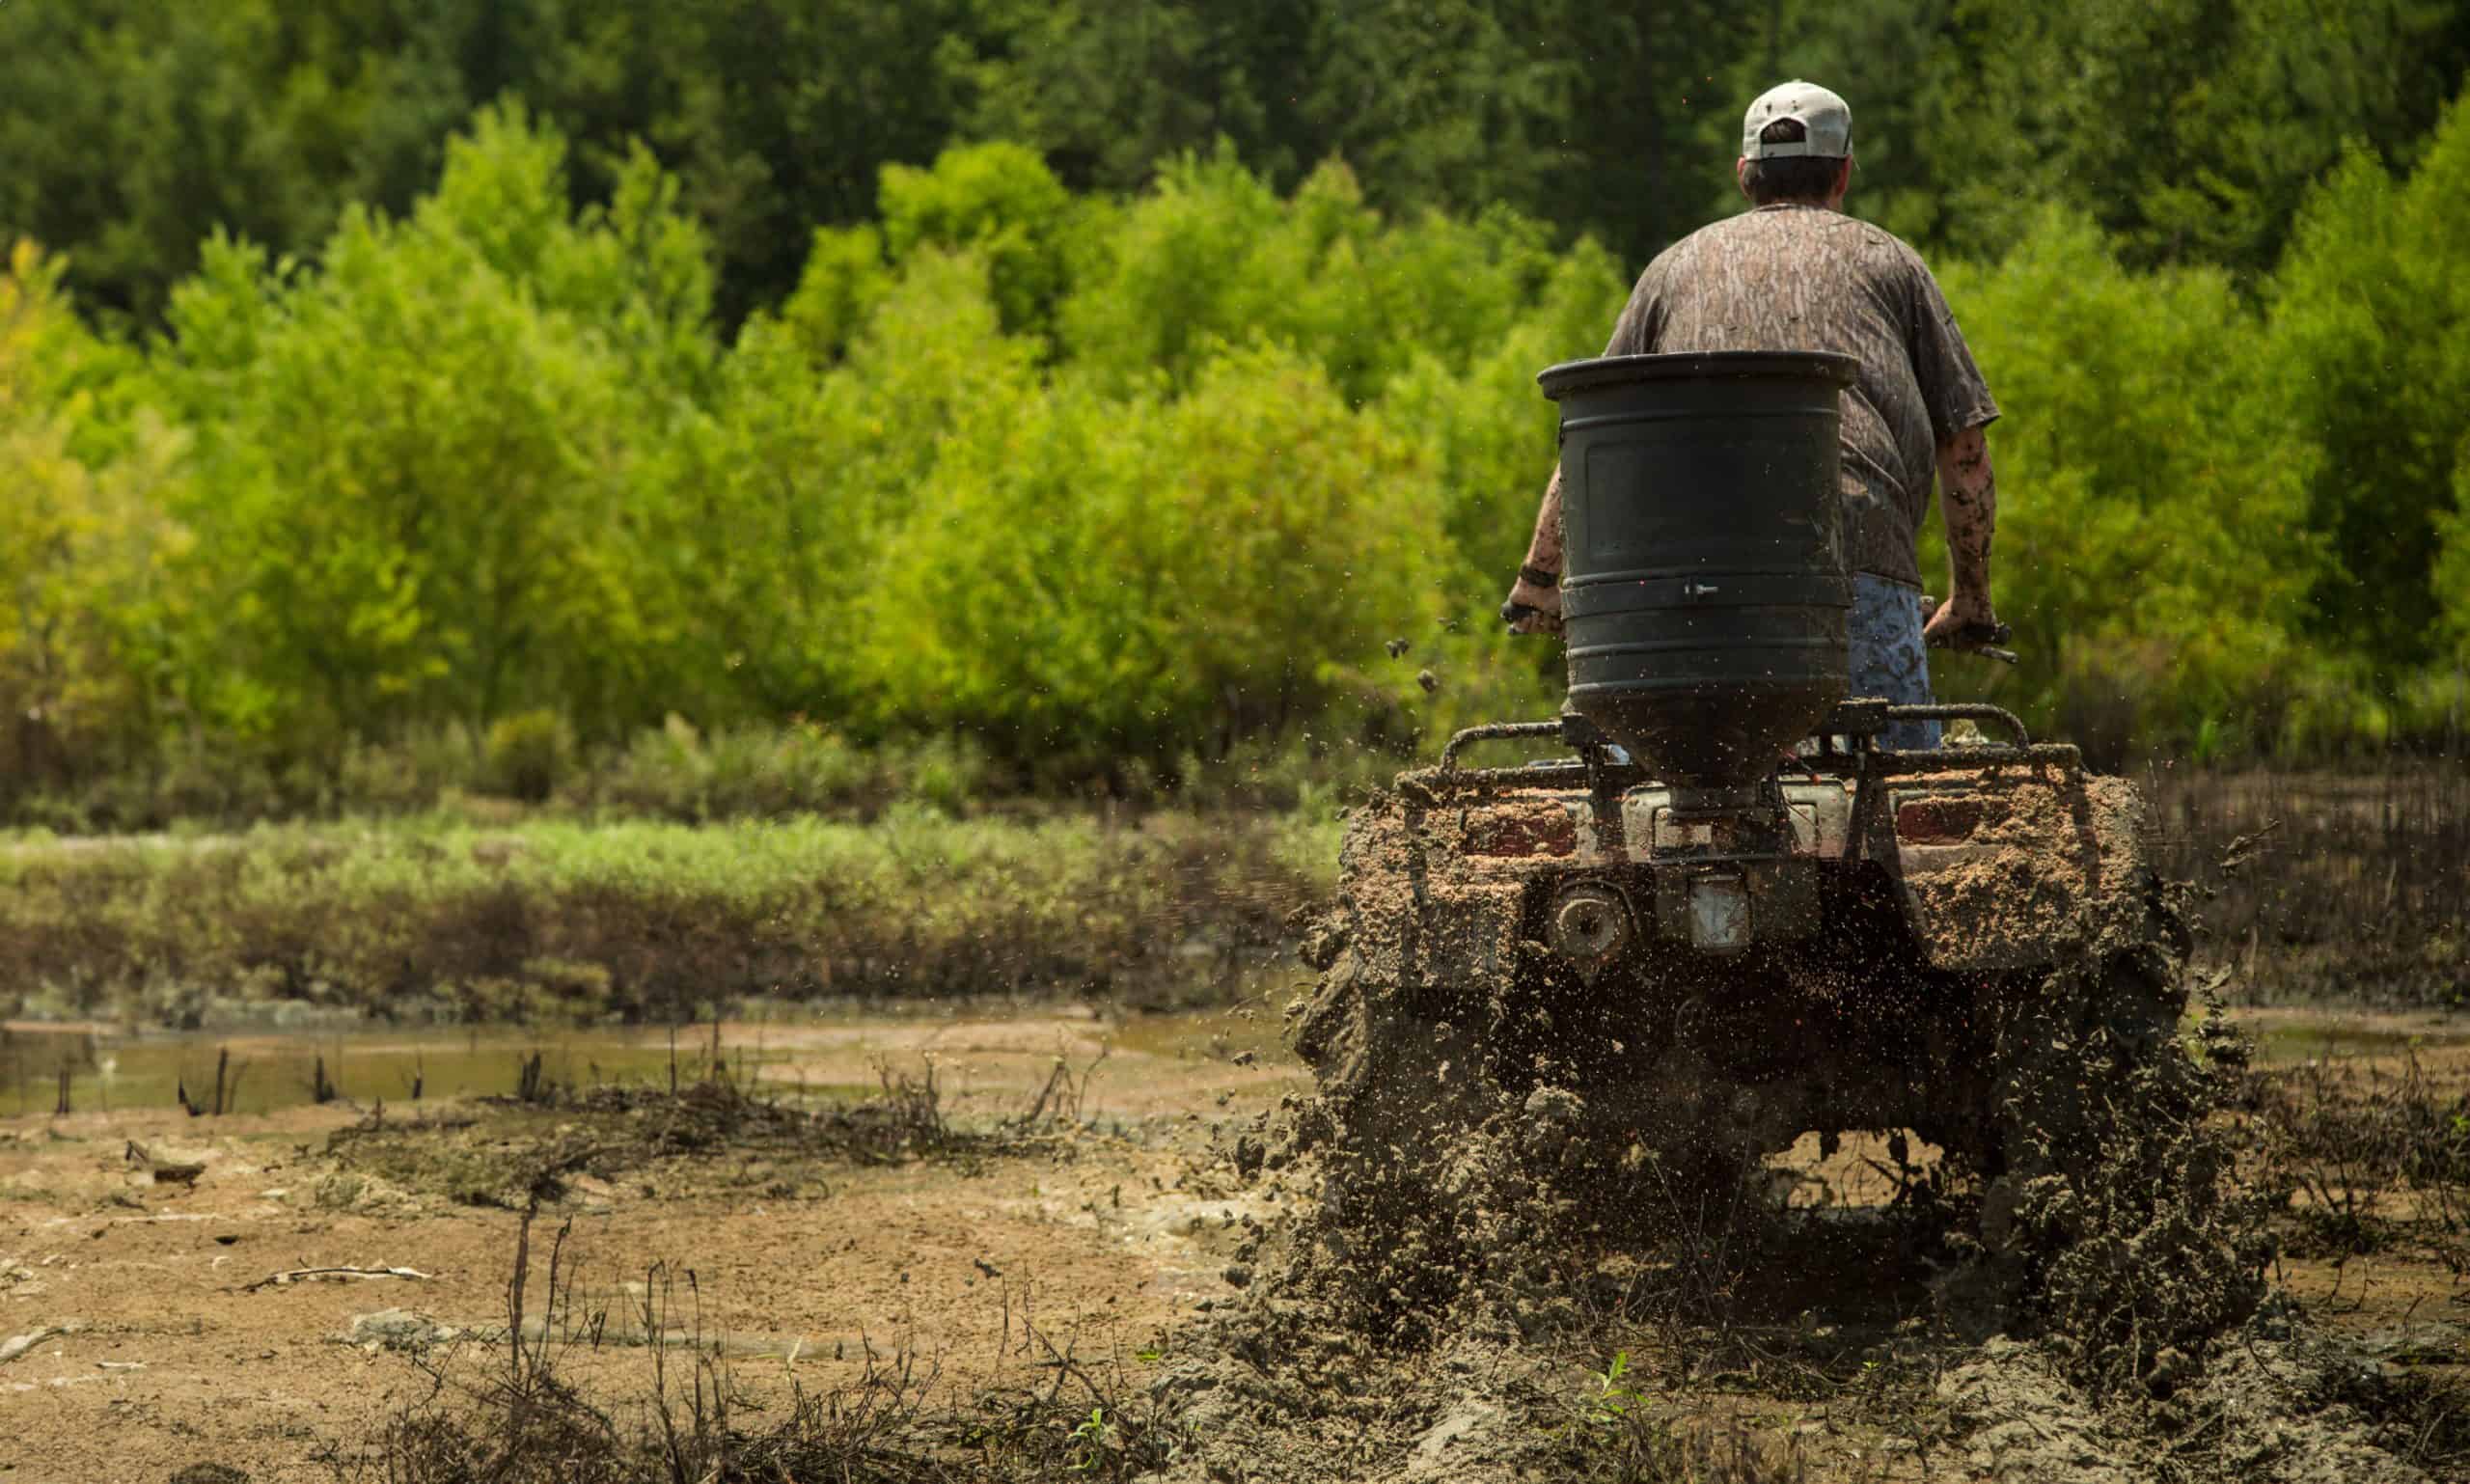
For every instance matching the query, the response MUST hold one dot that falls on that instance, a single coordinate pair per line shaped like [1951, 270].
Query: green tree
[135, 131]
[999, 201]
[1108, 88]
[420, 457]
[1213, 256]
[2189, 130]
[1572, 114]
[1099, 579]
[2369, 318]
[2155, 549]
[95, 592]
[792, 503]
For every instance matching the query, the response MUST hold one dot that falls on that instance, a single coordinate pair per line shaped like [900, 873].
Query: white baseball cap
[1825, 120]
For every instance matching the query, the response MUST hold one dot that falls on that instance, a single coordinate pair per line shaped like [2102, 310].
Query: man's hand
[1533, 607]
[1962, 621]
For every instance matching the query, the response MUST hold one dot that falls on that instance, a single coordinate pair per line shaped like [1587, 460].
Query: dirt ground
[154, 1351]
[160, 1356]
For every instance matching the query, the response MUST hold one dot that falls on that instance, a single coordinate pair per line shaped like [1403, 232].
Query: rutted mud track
[1810, 1344]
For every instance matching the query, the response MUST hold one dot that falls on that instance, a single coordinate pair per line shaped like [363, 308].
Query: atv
[1719, 911]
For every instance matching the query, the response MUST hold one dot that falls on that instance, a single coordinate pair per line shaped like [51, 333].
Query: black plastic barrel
[1703, 583]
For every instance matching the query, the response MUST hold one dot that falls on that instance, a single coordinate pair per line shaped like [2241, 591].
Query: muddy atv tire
[2108, 1215]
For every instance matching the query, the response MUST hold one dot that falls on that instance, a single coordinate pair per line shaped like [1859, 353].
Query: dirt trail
[167, 1361]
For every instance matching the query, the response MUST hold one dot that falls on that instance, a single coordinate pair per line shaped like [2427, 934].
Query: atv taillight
[1936, 821]
[1549, 830]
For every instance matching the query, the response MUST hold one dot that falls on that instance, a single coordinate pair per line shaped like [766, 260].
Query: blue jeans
[1888, 658]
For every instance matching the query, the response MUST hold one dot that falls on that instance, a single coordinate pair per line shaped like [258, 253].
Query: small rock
[1462, 1422]
[1238, 1276]
[395, 1328]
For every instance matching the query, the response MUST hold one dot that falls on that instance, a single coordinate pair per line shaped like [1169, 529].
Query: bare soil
[161, 1356]
[1111, 1231]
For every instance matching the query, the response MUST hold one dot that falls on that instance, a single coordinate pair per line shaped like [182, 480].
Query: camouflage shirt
[1805, 278]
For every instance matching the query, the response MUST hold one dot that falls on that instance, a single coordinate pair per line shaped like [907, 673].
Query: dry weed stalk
[2347, 1132]
[1062, 1100]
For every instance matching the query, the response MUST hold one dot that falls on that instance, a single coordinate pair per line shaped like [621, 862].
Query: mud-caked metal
[1704, 583]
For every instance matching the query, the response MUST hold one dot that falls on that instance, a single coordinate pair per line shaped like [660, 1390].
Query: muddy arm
[1535, 607]
[1969, 495]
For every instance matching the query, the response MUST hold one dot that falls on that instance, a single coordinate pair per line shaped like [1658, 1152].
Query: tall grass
[569, 921]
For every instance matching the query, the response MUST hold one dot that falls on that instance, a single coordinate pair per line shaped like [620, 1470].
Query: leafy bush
[998, 200]
[529, 754]
[2369, 321]
[2155, 549]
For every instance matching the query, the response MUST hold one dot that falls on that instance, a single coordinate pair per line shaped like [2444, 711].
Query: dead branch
[297, 1275]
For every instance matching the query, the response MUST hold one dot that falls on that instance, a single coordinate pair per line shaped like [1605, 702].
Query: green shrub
[2154, 551]
[998, 200]
[530, 753]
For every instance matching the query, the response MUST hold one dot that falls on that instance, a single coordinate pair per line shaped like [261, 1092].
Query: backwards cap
[1826, 124]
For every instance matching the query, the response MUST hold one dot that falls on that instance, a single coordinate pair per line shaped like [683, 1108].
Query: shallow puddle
[261, 1071]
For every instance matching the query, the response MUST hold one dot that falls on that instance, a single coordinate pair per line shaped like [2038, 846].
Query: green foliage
[2370, 318]
[2191, 130]
[1037, 489]
[843, 279]
[776, 773]
[998, 200]
[1608, 1404]
[1213, 256]
[2154, 548]
[90, 560]
[1226, 560]
[133, 131]
[414, 464]
[529, 754]
[1093, 1439]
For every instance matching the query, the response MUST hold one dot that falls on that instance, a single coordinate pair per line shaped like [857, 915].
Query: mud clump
[2289, 1409]
[2119, 1231]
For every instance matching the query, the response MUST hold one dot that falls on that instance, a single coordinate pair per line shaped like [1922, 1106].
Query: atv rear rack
[1858, 722]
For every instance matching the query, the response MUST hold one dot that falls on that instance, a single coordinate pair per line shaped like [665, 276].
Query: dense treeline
[2189, 129]
[1092, 478]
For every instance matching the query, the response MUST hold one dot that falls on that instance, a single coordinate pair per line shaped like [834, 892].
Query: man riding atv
[1794, 273]
[1580, 1002]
